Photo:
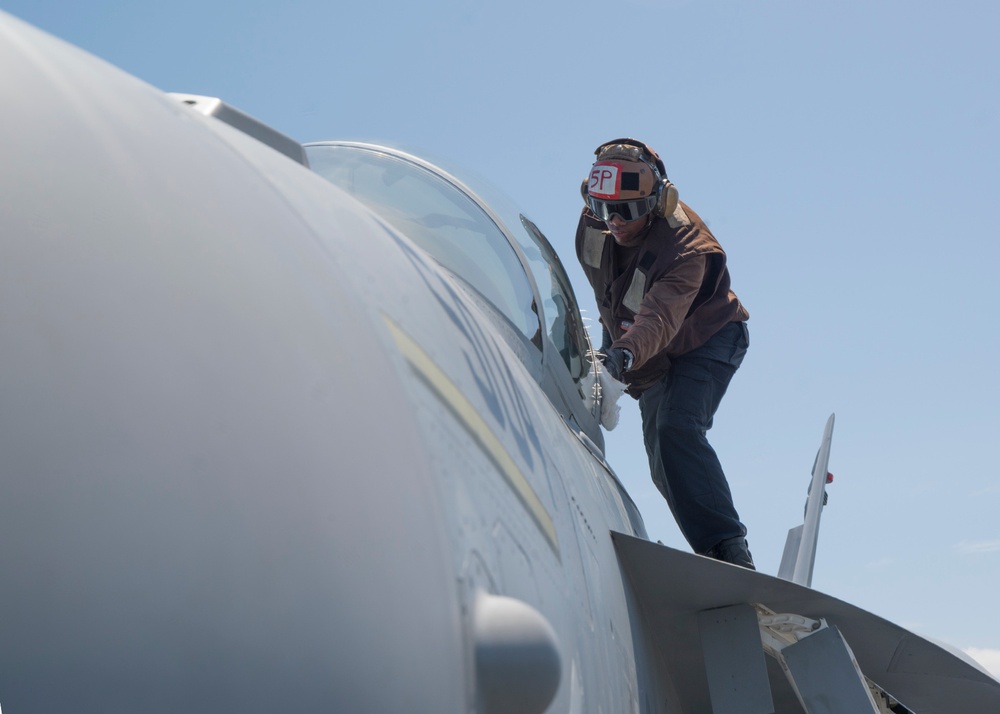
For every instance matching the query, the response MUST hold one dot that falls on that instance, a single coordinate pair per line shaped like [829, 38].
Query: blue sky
[845, 154]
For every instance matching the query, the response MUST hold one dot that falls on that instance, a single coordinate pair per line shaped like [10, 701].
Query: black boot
[733, 550]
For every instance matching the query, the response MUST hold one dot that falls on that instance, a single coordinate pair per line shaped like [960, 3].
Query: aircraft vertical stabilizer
[800, 547]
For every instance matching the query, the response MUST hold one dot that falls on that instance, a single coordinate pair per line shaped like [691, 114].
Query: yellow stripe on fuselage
[477, 427]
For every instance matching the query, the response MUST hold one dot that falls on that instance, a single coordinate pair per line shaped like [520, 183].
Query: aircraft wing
[673, 589]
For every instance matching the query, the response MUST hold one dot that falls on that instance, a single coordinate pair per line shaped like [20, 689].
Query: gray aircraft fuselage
[259, 452]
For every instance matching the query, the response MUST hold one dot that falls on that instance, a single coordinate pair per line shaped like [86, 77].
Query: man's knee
[681, 445]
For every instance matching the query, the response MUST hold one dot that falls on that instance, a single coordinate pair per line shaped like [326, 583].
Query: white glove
[611, 391]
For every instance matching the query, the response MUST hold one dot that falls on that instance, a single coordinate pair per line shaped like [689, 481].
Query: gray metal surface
[257, 451]
[673, 587]
[184, 525]
[734, 660]
[826, 675]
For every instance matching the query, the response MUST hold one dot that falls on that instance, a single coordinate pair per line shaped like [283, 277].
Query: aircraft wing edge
[671, 590]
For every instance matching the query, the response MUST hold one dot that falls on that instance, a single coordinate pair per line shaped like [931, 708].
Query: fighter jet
[317, 428]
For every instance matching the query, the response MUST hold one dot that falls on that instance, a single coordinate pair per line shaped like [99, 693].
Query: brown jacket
[663, 298]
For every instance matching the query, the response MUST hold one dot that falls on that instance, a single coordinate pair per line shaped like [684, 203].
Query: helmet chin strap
[641, 235]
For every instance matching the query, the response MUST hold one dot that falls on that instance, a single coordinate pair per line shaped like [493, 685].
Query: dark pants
[676, 413]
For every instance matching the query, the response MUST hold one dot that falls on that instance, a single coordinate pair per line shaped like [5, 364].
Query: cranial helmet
[629, 179]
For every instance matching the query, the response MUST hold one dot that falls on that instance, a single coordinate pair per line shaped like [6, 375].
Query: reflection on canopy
[438, 217]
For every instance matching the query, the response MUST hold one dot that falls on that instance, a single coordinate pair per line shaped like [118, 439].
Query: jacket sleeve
[663, 309]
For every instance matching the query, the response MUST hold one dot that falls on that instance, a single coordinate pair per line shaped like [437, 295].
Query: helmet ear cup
[666, 202]
[583, 191]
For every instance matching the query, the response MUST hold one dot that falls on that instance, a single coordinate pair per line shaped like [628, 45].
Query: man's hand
[617, 361]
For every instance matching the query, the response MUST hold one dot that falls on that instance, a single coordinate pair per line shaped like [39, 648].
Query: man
[673, 332]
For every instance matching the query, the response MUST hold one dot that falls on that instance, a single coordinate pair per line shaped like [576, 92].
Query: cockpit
[439, 218]
[505, 258]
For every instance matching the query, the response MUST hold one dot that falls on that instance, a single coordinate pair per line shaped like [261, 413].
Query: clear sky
[844, 153]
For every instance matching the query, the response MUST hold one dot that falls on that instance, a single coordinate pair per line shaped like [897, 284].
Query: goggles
[627, 210]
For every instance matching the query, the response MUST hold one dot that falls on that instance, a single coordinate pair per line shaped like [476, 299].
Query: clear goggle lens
[627, 210]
